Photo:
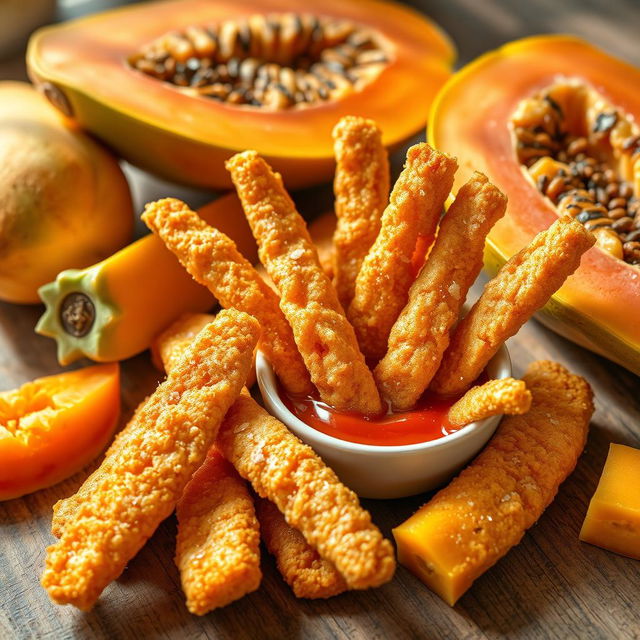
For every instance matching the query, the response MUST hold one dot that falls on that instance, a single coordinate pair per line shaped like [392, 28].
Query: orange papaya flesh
[82, 67]
[597, 307]
[52, 427]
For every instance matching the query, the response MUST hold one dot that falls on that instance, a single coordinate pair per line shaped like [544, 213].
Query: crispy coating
[64, 509]
[309, 575]
[469, 525]
[309, 301]
[386, 274]
[505, 396]
[169, 440]
[521, 287]
[307, 492]
[218, 543]
[421, 333]
[168, 347]
[361, 187]
[213, 260]
[301, 566]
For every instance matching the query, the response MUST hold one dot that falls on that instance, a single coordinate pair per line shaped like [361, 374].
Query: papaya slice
[178, 87]
[483, 116]
[52, 427]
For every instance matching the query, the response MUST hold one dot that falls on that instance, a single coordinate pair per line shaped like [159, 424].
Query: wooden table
[550, 586]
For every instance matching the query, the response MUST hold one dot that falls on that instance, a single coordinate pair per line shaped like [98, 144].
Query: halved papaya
[177, 87]
[472, 117]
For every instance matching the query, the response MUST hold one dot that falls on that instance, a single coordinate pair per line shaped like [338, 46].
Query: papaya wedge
[599, 306]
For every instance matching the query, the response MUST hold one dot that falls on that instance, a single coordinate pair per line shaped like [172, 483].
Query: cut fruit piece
[613, 518]
[472, 119]
[52, 427]
[246, 65]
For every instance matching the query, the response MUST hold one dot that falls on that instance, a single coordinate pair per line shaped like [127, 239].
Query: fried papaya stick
[361, 187]
[384, 279]
[64, 509]
[309, 301]
[308, 574]
[521, 287]
[503, 396]
[169, 345]
[218, 543]
[169, 440]
[469, 525]
[299, 563]
[213, 260]
[307, 492]
[420, 335]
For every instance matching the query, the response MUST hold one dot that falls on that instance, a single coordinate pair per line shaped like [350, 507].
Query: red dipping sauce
[427, 421]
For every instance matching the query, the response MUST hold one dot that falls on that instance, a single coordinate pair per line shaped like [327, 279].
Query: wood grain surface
[549, 586]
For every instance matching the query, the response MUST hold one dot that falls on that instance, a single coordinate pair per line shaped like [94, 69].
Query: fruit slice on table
[553, 122]
[114, 309]
[64, 203]
[178, 87]
[613, 518]
[52, 427]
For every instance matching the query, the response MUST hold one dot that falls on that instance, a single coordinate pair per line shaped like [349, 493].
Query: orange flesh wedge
[53, 426]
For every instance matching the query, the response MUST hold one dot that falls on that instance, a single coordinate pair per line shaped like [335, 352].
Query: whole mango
[64, 202]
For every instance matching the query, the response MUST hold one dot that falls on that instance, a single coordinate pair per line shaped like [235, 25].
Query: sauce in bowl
[425, 422]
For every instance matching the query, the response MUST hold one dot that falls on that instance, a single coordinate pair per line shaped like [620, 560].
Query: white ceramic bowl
[392, 471]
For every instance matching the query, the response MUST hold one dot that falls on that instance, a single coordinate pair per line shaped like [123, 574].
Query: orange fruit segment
[53, 426]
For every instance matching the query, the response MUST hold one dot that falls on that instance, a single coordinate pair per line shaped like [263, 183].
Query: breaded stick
[503, 396]
[307, 492]
[361, 187]
[214, 261]
[469, 525]
[300, 564]
[168, 346]
[64, 509]
[384, 279]
[521, 287]
[309, 301]
[302, 568]
[169, 440]
[421, 333]
[218, 543]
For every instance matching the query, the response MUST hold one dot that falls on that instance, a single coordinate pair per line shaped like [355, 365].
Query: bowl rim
[266, 379]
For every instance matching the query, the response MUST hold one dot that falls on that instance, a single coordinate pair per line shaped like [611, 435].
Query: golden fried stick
[521, 287]
[307, 492]
[503, 396]
[421, 333]
[469, 525]
[214, 261]
[323, 334]
[299, 563]
[218, 543]
[168, 346]
[64, 509]
[308, 574]
[172, 433]
[386, 273]
[361, 187]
